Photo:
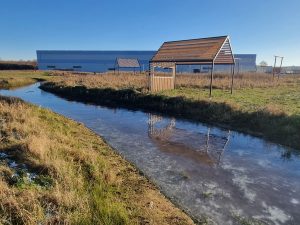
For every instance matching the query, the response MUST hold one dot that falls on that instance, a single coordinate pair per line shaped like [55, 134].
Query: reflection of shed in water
[204, 148]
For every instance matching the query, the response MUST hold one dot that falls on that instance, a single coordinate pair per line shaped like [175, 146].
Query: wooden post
[211, 78]
[280, 67]
[174, 75]
[274, 67]
[232, 75]
[151, 76]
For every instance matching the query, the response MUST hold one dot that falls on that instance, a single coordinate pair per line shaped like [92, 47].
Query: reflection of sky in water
[251, 178]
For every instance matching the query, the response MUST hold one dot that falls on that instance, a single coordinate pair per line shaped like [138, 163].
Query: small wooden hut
[127, 63]
[203, 51]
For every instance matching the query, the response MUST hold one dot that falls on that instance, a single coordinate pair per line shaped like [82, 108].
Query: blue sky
[265, 27]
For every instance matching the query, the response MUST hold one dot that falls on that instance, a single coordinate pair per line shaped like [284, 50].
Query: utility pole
[274, 68]
[280, 66]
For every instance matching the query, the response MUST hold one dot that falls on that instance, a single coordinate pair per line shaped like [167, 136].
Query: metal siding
[90, 61]
[100, 61]
[247, 64]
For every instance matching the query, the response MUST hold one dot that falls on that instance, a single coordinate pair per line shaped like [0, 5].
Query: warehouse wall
[244, 62]
[101, 61]
[88, 61]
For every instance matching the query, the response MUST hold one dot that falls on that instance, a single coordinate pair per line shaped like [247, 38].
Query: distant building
[102, 61]
[264, 69]
[291, 70]
[246, 62]
[89, 61]
[284, 70]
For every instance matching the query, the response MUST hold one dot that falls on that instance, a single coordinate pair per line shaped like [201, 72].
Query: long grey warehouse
[102, 61]
[88, 61]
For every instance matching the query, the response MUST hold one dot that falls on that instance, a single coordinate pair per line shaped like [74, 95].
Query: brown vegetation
[77, 178]
[18, 65]
[140, 81]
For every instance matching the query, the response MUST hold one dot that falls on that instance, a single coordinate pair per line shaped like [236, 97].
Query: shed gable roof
[127, 63]
[195, 50]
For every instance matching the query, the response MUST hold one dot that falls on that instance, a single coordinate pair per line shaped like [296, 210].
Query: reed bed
[245, 80]
[140, 81]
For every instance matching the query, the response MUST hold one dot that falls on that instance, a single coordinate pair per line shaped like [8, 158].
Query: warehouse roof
[196, 51]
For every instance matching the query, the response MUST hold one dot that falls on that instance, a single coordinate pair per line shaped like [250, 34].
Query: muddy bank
[278, 128]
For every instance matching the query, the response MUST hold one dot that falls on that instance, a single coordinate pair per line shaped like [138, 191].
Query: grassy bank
[56, 171]
[259, 105]
[14, 78]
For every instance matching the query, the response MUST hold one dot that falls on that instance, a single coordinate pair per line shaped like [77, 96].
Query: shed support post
[174, 75]
[211, 78]
[151, 69]
[232, 76]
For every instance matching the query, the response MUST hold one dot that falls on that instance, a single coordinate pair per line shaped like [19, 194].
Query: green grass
[14, 78]
[283, 98]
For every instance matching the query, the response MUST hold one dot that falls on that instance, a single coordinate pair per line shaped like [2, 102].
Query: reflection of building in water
[204, 148]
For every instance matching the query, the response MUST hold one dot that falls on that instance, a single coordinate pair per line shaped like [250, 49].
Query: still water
[219, 175]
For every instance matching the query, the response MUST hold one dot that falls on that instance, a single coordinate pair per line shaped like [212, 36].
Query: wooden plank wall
[158, 83]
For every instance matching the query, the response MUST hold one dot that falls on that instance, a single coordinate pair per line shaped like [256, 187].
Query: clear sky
[264, 27]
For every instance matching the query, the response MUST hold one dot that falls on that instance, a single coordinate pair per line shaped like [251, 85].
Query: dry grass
[106, 80]
[140, 81]
[79, 179]
[251, 91]
[18, 78]
[247, 80]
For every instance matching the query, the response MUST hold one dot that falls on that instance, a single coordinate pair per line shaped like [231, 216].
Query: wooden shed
[203, 51]
[127, 63]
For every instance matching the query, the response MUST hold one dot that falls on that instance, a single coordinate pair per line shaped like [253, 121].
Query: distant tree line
[18, 65]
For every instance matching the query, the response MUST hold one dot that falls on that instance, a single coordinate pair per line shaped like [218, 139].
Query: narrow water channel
[221, 175]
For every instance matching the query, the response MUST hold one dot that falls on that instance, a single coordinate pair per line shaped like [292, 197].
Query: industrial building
[89, 61]
[102, 61]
